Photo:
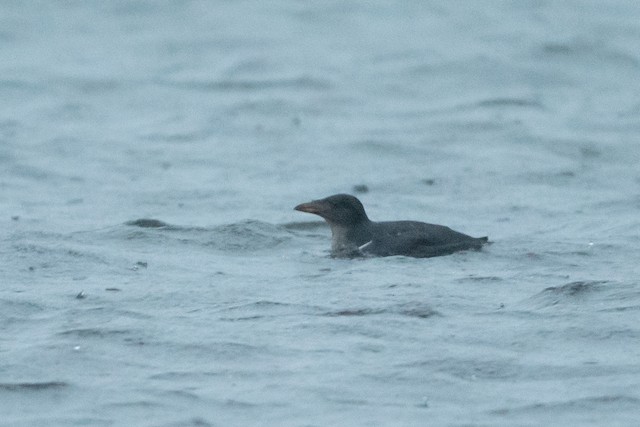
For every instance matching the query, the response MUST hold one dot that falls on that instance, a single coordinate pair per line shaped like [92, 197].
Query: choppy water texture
[517, 120]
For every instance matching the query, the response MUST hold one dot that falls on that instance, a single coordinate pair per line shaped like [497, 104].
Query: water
[517, 120]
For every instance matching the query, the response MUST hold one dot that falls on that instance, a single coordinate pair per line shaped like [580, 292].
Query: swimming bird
[354, 234]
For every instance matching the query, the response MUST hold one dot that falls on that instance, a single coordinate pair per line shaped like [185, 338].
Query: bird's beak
[315, 207]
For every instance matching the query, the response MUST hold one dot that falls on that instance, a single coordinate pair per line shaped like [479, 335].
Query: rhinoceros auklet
[354, 234]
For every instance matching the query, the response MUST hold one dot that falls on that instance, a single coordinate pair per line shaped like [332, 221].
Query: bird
[353, 234]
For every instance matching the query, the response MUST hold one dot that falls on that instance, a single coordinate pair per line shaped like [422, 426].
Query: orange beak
[315, 207]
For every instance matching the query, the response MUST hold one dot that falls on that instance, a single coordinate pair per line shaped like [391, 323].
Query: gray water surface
[516, 120]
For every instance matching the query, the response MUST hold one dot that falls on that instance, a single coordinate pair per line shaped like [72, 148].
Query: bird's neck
[347, 239]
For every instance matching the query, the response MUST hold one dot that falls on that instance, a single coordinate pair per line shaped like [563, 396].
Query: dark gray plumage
[354, 234]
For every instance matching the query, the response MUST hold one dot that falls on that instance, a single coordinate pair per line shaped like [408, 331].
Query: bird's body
[354, 234]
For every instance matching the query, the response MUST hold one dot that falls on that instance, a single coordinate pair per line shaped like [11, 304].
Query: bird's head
[340, 209]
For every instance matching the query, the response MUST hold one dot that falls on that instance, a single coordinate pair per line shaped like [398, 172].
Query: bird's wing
[419, 239]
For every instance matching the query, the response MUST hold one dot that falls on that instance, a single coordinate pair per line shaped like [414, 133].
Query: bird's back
[418, 239]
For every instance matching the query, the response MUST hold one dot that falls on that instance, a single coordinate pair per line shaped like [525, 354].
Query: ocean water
[516, 120]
